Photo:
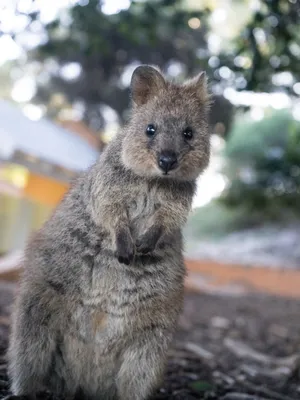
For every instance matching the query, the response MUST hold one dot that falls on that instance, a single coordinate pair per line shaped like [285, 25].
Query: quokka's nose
[167, 161]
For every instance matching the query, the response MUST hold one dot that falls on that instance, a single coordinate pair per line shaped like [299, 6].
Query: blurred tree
[267, 46]
[89, 55]
[102, 48]
[263, 165]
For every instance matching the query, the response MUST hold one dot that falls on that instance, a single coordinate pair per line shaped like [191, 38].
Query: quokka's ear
[146, 82]
[199, 86]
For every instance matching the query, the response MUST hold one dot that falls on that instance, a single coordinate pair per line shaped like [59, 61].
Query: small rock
[279, 331]
[220, 322]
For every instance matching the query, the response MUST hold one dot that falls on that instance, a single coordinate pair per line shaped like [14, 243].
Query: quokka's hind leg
[143, 366]
[34, 340]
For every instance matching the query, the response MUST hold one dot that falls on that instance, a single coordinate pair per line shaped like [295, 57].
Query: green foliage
[270, 41]
[158, 32]
[106, 47]
[216, 220]
[263, 165]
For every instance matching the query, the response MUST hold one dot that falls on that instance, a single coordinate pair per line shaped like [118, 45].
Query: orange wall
[44, 190]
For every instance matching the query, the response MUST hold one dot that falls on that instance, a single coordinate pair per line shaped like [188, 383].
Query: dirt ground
[227, 348]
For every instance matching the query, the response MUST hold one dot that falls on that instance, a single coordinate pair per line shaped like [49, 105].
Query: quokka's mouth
[171, 172]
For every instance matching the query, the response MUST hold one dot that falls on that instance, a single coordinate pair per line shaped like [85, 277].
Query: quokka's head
[167, 135]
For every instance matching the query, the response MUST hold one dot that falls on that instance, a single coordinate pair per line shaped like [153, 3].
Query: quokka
[103, 279]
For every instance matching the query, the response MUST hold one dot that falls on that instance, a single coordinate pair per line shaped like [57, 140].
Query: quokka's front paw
[125, 247]
[143, 247]
[147, 242]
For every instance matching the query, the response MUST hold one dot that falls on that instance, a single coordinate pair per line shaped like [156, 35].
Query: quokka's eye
[150, 131]
[188, 133]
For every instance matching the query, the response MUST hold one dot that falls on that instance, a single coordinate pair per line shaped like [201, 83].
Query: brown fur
[103, 279]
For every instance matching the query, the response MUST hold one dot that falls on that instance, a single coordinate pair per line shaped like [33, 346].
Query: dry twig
[241, 350]
[199, 351]
[263, 390]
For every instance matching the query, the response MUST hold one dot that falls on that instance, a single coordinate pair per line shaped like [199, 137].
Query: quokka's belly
[90, 351]
[95, 341]
[91, 367]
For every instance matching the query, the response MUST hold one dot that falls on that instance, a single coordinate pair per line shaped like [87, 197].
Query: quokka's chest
[142, 206]
[108, 325]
